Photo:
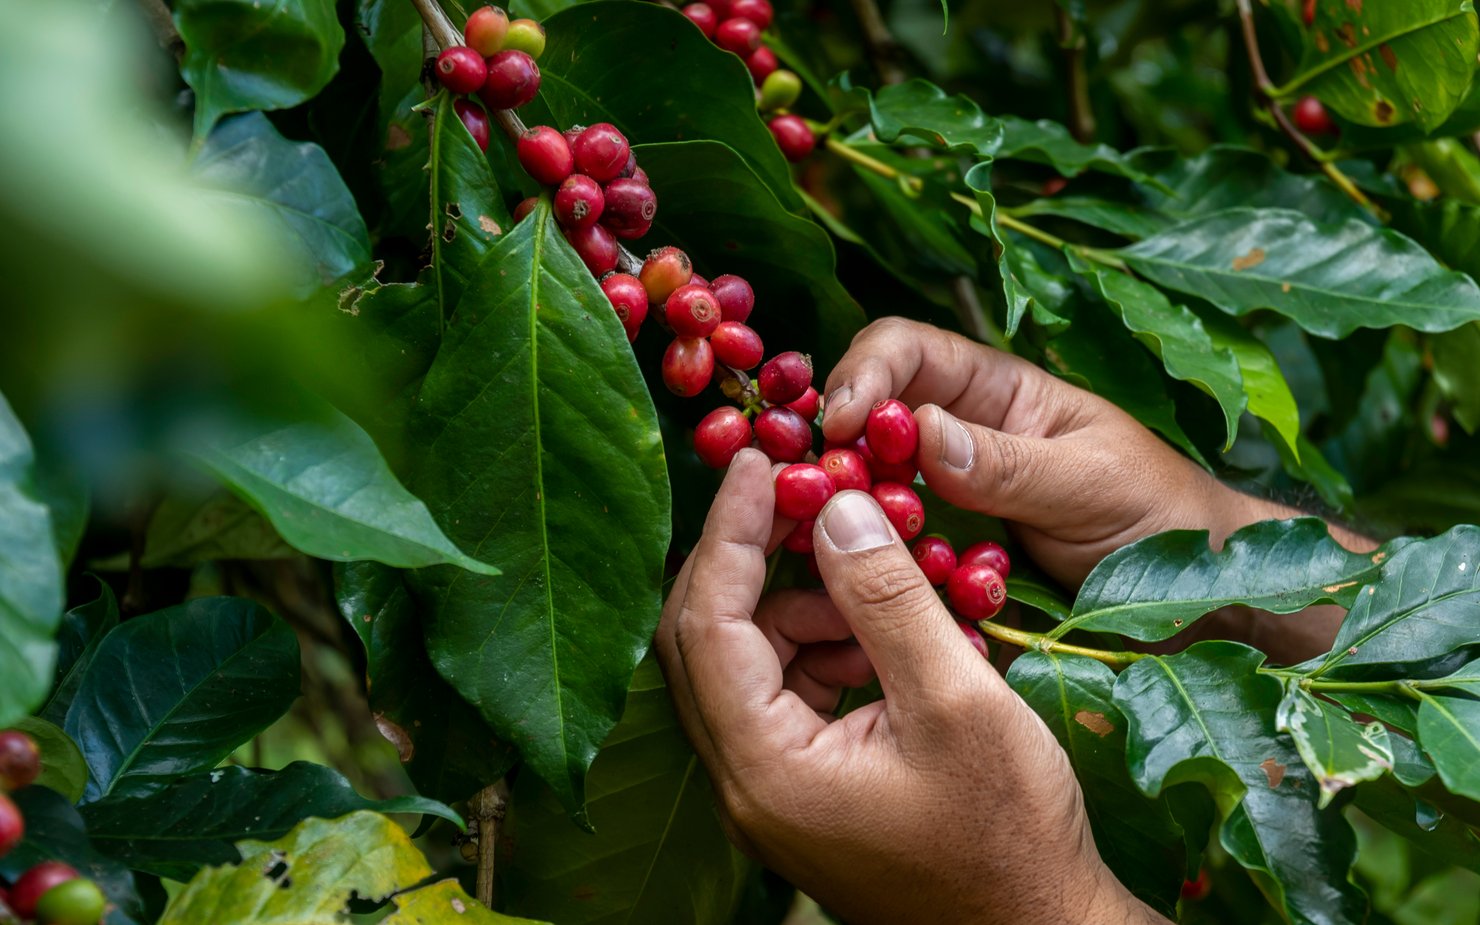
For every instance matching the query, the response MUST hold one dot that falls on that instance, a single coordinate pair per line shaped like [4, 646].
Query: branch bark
[1081, 113]
[488, 808]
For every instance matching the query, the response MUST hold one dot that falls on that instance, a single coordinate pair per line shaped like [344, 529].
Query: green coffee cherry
[76, 902]
[780, 90]
[527, 36]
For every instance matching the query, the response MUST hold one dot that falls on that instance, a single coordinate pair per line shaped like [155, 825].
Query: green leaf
[468, 215]
[979, 181]
[1385, 64]
[1457, 372]
[1156, 587]
[1446, 839]
[1425, 603]
[445, 903]
[30, 577]
[55, 832]
[82, 631]
[391, 31]
[62, 766]
[178, 690]
[194, 821]
[1269, 395]
[919, 111]
[1338, 751]
[325, 487]
[658, 847]
[1448, 228]
[1449, 730]
[541, 447]
[1207, 715]
[1467, 679]
[1431, 498]
[1136, 836]
[1231, 177]
[186, 530]
[293, 191]
[246, 54]
[1329, 279]
[1045, 142]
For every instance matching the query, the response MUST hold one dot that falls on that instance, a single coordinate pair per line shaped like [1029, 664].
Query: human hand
[947, 801]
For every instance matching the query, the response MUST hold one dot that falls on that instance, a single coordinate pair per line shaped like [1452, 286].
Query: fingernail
[835, 400]
[854, 523]
[957, 449]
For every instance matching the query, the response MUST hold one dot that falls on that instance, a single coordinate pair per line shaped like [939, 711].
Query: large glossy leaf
[82, 631]
[1446, 839]
[920, 111]
[178, 690]
[468, 214]
[1231, 177]
[979, 181]
[1457, 371]
[659, 853]
[1467, 679]
[325, 487]
[1431, 498]
[1449, 228]
[1136, 836]
[1424, 603]
[541, 448]
[246, 54]
[55, 832]
[1154, 588]
[1207, 715]
[1449, 730]
[185, 531]
[196, 820]
[30, 577]
[1329, 279]
[1046, 142]
[1338, 751]
[62, 766]
[392, 32]
[1389, 63]
[445, 903]
[1269, 395]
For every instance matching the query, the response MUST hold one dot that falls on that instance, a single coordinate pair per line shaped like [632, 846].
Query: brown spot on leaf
[1274, 771]
[394, 734]
[396, 138]
[1094, 722]
[1250, 260]
[1383, 110]
[1355, 6]
[1347, 35]
[1332, 589]
[489, 225]
[1323, 44]
[584, 893]
[1285, 287]
[1389, 57]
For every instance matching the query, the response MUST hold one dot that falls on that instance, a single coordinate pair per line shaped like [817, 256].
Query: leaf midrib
[1355, 51]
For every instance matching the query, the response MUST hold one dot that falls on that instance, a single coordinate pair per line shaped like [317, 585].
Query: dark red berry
[629, 300]
[736, 345]
[793, 136]
[740, 36]
[664, 270]
[723, 433]
[1053, 186]
[757, 11]
[847, 470]
[475, 120]
[801, 491]
[785, 377]
[33, 884]
[902, 506]
[12, 825]
[545, 155]
[987, 553]
[461, 69]
[525, 207]
[813, 568]
[691, 311]
[1200, 888]
[784, 435]
[20, 760]
[688, 364]
[808, 405]
[891, 431]
[736, 298]
[721, 8]
[703, 16]
[596, 247]
[975, 637]
[762, 63]
[486, 29]
[630, 169]
[601, 152]
[976, 591]
[936, 559]
[579, 202]
[630, 208]
[572, 133]
[697, 280]
[513, 80]
[903, 473]
[1309, 13]
[1312, 118]
[799, 540]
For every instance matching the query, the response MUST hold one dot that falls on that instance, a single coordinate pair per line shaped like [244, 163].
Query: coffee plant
[368, 368]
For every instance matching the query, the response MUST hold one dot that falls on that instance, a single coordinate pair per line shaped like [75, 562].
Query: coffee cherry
[975, 637]
[784, 435]
[475, 120]
[903, 473]
[527, 36]
[35, 883]
[75, 902]
[641, 176]
[936, 559]
[579, 202]
[12, 825]
[1308, 15]
[801, 491]
[740, 36]
[20, 760]
[736, 298]
[596, 247]
[688, 364]
[723, 433]
[664, 270]
[847, 469]
[793, 136]
[486, 29]
[977, 592]
[703, 16]
[1053, 186]
[757, 11]
[630, 208]
[544, 155]
[799, 540]
[892, 433]
[461, 69]
[1312, 118]
[761, 63]
[691, 311]
[785, 377]
[902, 506]
[987, 553]
[513, 80]
[525, 207]
[601, 152]
[629, 300]
[779, 90]
[736, 345]
[721, 8]
[1198, 889]
[808, 405]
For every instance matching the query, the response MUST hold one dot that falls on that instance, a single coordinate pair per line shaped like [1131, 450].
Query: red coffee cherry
[784, 435]
[629, 300]
[740, 36]
[20, 760]
[33, 884]
[847, 469]
[691, 311]
[757, 11]
[1309, 13]
[1199, 889]
[697, 280]
[801, 491]
[601, 152]
[596, 247]
[891, 431]
[630, 208]
[527, 36]
[976, 591]
[703, 16]
[903, 473]
[1312, 118]
[721, 8]
[688, 364]
[762, 63]
[974, 636]
[461, 69]
[723, 433]
[936, 559]
[525, 207]
[736, 298]
[902, 506]
[808, 405]
[664, 270]
[475, 120]
[486, 29]
[513, 80]
[12, 825]
[793, 136]
[545, 155]
[736, 345]
[785, 377]
[799, 540]
[579, 202]
[987, 553]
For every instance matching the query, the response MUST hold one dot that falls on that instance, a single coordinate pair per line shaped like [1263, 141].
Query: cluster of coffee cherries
[51, 892]
[736, 26]
[497, 65]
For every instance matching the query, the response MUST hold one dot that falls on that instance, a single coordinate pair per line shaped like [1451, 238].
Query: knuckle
[892, 585]
[1007, 463]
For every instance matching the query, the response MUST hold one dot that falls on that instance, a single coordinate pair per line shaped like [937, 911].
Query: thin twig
[1038, 642]
[883, 48]
[488, 807]
[1081, 113]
